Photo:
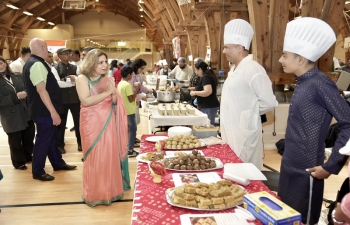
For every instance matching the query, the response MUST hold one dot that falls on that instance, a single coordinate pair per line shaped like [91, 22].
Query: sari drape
[102, 176]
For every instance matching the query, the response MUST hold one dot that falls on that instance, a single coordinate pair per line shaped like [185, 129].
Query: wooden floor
[27, 201]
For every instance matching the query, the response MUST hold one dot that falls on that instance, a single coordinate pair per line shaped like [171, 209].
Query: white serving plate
[156, 138]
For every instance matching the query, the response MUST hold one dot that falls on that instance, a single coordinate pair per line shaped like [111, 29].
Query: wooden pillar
[312, 8]
[277, 25]
[332, 14]
[258, 16]
[212, 31]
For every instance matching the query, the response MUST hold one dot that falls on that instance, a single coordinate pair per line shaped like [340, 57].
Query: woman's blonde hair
[90, 62]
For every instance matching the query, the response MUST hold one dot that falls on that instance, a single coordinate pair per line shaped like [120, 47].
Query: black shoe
[79, 148]
[62, 150]
[66, 167]
[137, 140]
[133, 154]
[44, 177]
[23, 167]
[136, 145]
[72, 129]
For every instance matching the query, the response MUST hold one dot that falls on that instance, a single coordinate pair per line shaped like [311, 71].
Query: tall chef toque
[238, 32]
[308, 37]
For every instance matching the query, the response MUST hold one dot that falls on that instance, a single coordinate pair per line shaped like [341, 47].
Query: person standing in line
[104, 149]
[45, 105]
[129, 97]
[315, 102]
[138, 66]
[15, 116]
[246, 94]
[118, 74]
[70, 97]
[17, 65]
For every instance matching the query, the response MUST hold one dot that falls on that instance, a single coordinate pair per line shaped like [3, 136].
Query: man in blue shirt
[315, 102]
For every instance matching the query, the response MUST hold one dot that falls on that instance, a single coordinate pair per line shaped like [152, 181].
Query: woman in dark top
[15, 117]
[205, 91]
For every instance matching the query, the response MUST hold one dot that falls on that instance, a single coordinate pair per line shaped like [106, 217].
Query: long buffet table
[150, 206]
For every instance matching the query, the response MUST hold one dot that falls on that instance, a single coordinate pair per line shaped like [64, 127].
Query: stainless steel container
[165, 96]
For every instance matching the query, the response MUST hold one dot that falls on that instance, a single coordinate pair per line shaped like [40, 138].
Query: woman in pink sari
[103, 149]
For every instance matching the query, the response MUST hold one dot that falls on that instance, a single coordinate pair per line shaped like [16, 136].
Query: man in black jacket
[70, 98]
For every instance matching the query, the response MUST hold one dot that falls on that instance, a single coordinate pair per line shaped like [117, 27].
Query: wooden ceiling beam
[218, 6]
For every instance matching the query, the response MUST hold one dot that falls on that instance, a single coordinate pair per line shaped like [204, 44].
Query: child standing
[125, 89]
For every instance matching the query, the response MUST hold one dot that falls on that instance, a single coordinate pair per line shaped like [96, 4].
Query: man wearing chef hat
[165, 68]
[246, 94]
[315, 101]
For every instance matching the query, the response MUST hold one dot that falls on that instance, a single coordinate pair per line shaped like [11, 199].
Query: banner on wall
[53, 45]
[176, 47]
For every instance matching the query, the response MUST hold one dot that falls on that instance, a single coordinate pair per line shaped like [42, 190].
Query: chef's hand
[193, 93]
[144, 98]
[318, 172]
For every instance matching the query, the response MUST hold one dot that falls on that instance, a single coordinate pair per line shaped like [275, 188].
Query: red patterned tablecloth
[150, 206]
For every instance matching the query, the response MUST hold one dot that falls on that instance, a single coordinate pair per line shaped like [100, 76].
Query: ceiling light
[11, 6]
[97, 0]
[40, 18]
[141, 9]
[88, 39]
[121, 43]
[141, 25]
[27, 13]
[141, 15]
[141, 2]
[51, 23]
[347, 2]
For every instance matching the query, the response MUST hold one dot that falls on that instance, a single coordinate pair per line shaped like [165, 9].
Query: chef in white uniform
[246, 94]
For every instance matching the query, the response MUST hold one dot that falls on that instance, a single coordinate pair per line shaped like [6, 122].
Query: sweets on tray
[153, 156]
[219, 195]
[193, 161]
[179, 142]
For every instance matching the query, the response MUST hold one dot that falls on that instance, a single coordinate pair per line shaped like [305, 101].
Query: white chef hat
[346, 149]
[164, 62]
[238, 32]
[308, 37]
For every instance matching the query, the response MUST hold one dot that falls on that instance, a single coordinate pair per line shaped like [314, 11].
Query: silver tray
[218, 162]
[169, 193]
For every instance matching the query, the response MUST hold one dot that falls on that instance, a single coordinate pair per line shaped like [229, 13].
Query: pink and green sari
[104, 148]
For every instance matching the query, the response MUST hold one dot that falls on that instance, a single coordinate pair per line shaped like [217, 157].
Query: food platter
[182, 149]
[155, 138]
[219, 165]
[140, 158]
[170, 192]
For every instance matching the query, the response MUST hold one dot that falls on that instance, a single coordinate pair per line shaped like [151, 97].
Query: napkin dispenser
[269, 210]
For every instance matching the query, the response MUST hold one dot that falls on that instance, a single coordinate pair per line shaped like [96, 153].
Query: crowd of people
[105, 108]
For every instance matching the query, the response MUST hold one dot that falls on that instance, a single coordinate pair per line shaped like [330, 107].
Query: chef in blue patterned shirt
[315, 101]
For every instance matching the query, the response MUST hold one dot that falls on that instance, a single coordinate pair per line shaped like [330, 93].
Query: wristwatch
[334, 220]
